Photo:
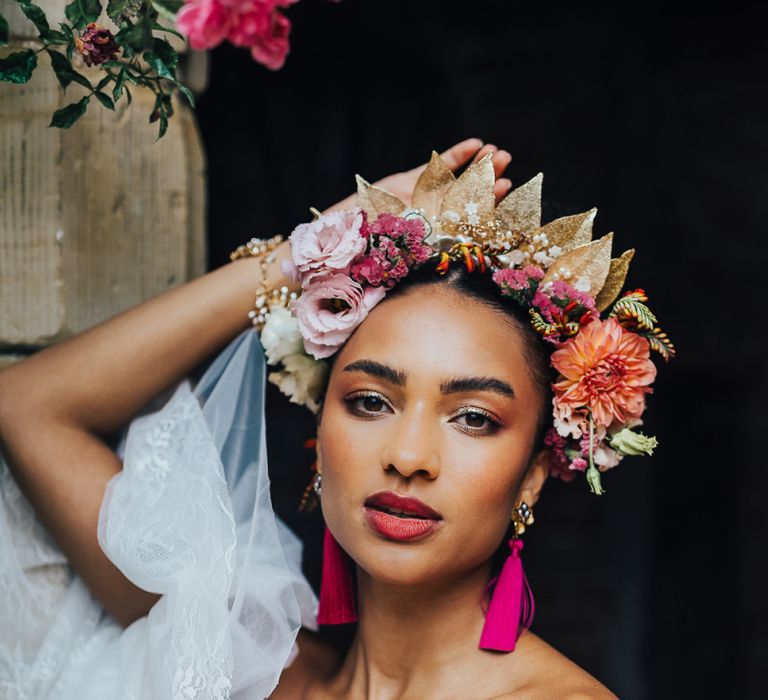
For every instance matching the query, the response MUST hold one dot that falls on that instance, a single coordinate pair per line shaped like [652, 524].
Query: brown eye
[475, 420]
[368, 405]
[373, 404]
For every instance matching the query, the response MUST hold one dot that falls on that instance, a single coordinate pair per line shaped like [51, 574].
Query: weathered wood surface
[93, 219]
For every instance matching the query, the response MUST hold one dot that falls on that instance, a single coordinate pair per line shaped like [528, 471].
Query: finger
[458, 155]
[484, 151]
[501, 188]
[501, 160]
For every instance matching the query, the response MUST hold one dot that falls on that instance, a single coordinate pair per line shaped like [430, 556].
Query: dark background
[658, 117]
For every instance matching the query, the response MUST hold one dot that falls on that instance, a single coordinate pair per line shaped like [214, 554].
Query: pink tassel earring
[337, 593]
[511, 607]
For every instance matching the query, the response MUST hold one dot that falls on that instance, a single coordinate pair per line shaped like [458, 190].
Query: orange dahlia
[606, 371]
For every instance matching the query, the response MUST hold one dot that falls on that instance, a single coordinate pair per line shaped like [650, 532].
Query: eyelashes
[473, 420]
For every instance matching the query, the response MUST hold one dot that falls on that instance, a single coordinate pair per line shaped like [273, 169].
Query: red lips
[398, 518]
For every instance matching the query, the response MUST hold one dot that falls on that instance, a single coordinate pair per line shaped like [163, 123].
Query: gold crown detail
[462, 213]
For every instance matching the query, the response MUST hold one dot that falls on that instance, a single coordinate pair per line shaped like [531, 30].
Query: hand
[401, 184]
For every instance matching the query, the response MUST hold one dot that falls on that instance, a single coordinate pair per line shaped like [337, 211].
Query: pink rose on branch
[329, 309]
[254, 24]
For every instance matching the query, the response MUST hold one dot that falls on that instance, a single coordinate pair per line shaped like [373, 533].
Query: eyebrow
[462, 384]
[452, 386]
[376, 369]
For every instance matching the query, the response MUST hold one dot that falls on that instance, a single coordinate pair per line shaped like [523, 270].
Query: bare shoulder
[550, 674]
[316, 659]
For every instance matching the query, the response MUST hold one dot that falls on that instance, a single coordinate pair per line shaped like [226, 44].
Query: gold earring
[522, 517]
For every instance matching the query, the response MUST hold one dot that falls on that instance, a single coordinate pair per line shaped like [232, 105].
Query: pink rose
[329, 310]
[203, 22]
[265, 31]
[330, 243]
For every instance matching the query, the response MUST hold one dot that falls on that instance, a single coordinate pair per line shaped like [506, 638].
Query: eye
[476, 421]
[367, 404]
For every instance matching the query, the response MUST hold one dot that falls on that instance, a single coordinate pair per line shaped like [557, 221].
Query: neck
[410, 637]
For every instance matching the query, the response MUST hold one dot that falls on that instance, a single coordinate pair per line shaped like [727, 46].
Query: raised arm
[57, 406]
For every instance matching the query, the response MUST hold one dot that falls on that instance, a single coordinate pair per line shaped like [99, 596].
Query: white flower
[605, 457]
[280, 336]
[555, 251]
[301, 380]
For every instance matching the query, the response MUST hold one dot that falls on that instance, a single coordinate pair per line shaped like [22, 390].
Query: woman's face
[430, 399]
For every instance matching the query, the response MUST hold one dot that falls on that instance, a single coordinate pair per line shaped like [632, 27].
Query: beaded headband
[346, 261]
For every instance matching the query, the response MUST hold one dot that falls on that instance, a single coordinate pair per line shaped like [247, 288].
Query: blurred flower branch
[139, 53]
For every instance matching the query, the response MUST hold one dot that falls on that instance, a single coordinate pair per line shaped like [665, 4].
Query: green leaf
[128, 95]
[89, 9]
[51, 36]
[168, 8]
[35, 15]
[105, 100]
[134, 37]
[161, 28]
[66, 116]
[17, 67]
[75, 17]
[64, 71]
[103, 82]
[162, 59]
[163, 127]
[3, 31]
[184, 90]
[117, 91]
[120, 9]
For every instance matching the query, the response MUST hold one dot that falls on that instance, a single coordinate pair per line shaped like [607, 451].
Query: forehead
[436, 332]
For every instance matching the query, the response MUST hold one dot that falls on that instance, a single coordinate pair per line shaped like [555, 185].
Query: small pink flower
[578, 464]
[331, 242]
[329, 310]
[518, 279]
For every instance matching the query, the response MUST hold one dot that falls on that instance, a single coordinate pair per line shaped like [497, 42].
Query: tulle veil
[188, 517]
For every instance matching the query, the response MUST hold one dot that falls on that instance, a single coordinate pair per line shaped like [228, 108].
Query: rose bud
[96, 45]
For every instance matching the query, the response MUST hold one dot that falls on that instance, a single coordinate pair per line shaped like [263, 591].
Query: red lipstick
[398, 517]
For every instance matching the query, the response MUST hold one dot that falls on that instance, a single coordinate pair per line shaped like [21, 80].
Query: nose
[413, 448]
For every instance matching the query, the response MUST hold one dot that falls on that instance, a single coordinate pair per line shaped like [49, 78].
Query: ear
[534, 478]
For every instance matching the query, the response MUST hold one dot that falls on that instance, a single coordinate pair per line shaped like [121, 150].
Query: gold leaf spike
[521, 208]
[431, 186]
[570, 232]
[587, 264]
[376, 201]
[475, 185]
[617, 274]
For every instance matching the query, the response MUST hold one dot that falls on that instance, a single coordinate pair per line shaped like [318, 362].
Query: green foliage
[162, 59]
[3, 31]
[105, 100]
[143, 60]
[118, 10]
[168, 8]
[64, 71]
[18, 67]
[66, 116]
[89, 9]
[33, 13]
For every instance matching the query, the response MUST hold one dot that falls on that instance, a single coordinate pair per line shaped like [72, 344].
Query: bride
[435, 436]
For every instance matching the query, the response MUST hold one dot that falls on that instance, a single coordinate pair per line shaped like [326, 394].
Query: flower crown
[346, 261]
